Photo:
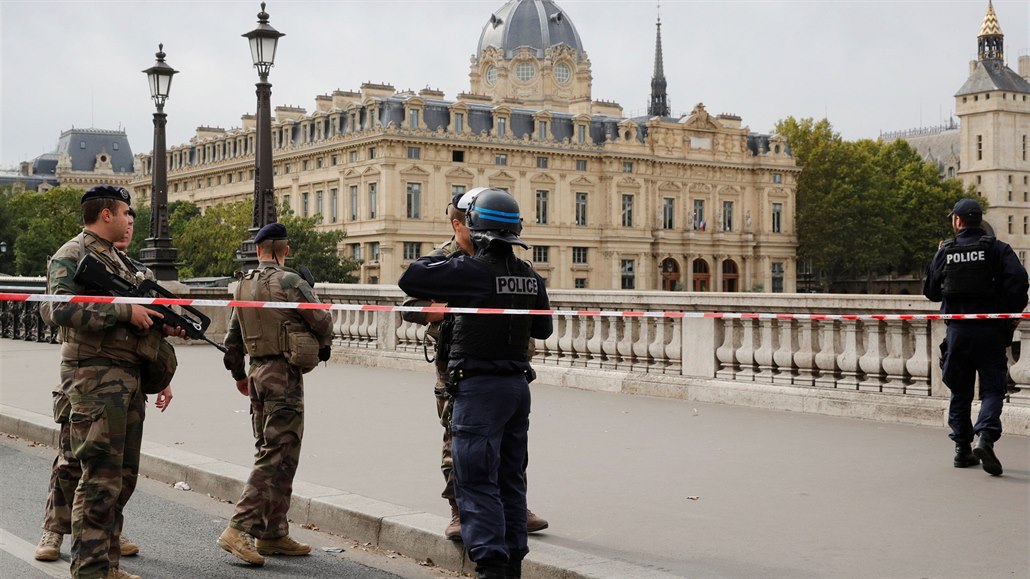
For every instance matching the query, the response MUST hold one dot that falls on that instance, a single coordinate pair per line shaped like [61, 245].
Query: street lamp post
[158, 253]
[263, 42]
[3, 254]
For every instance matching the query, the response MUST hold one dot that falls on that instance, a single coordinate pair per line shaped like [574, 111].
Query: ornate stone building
[988, 147]
[83, 158]
[695, 202]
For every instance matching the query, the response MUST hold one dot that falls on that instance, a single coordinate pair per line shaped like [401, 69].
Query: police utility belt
[458, 374]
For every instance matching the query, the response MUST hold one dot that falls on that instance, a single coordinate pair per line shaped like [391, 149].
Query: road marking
[26, 551]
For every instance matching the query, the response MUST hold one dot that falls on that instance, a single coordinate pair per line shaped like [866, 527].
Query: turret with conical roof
[659, 105]
[991, 40]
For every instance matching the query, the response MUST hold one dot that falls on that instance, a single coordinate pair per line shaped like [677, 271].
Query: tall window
[353, 202]
[372, 201]
[1024, 147]
[374, 251]
[777, 178]
[777, 277]
[979, 147]
[286, 201]
[414, 153]
[502, 125]
[500, 159]
[414, 201]
[541, 253]
[579, 255]
[668, 213]
[627, 211]
[334, 198]
[581, 134]
[777, 217]
[581, 164]
[1010, 225]
[627, 166]
[353, 156]
[318, 203]
[699, 215]
[355, 251]
[542, 130]
[541, 162]
[371, 152]
[412, 250]
[581, 209]
[628, 277]
[457, 190]
[727, 216]
[459, 122]
[304, 204]
[541, 207]
[413, 119]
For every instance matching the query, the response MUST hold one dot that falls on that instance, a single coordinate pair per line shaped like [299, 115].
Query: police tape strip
[17, 297]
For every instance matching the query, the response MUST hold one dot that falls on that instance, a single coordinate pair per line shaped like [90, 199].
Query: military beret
[106, 192]
[271, 231]
[966, 207]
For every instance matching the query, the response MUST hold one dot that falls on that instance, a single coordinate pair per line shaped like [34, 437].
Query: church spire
[991, 41]
[659, 105]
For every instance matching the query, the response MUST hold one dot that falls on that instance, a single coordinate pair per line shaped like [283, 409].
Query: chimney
[972, 67]
[1024, 66]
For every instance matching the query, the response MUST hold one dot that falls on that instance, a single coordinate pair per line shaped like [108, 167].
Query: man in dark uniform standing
[440, 328]
[976, 274]
[489, 378]
[283, 345]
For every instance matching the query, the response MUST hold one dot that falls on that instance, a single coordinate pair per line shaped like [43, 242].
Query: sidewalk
[632, 486]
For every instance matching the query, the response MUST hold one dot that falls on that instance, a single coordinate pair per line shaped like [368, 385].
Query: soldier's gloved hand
[243, 386]
[324, 353]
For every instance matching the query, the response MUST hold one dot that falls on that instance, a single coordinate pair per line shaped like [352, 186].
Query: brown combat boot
[534, 522]
[127, 547]
[241, 545]
[49, 547]
[282, 546]
[117, 573]
[453, 530]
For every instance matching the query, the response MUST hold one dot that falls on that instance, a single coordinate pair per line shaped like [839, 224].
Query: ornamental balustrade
[896, 357]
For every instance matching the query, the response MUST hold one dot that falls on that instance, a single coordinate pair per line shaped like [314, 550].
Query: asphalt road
[698, 490]
[176, 531]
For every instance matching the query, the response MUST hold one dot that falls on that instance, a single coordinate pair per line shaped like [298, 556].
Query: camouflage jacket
[95, 330]
[294, 289]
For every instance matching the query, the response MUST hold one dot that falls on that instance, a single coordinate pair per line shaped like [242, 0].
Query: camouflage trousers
[66, 470]
[277, 417]
[443, 410]
[101, 452]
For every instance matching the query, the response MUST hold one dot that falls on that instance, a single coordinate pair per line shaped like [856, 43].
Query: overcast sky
[868, 66]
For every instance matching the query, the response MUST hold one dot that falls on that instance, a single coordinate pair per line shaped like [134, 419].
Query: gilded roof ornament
[990, 26]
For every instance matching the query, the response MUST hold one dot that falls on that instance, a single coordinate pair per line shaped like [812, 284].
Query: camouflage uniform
[66, 470]
[443, 399]
[276, 395]
[100, 369]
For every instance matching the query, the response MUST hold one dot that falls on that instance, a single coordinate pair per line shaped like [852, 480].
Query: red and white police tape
[18, 297]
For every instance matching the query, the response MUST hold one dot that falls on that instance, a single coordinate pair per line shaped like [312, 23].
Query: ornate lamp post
[158, 253]
[3, 254]
[263, 42]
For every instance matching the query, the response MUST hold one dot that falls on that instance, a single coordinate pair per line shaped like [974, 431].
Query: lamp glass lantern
[160, 77]
[263, 42]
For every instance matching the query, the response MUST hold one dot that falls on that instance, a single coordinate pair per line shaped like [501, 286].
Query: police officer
[103, 349]
[976, 274]
[66, 470]
[283, 344]
[441, 324]
[489, 374]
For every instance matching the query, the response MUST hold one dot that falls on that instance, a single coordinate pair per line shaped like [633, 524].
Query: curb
[388, 526]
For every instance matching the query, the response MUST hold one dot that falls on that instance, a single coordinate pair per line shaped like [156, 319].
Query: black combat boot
[964, 455]
[985, 451]
[490, 569]
[514, 570]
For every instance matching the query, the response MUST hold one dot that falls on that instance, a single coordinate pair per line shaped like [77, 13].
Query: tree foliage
[865, 207]
[35, 225]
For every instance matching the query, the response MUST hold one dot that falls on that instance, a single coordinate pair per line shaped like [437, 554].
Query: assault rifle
[92, 274]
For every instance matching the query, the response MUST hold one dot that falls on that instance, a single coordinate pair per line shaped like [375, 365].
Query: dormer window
[413, 118]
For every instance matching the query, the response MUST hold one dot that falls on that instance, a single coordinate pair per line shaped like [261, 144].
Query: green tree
[317, 250]
[140, 230]
[40, 224]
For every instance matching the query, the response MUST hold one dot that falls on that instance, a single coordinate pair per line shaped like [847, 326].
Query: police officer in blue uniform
[489, 378]
[976, 274]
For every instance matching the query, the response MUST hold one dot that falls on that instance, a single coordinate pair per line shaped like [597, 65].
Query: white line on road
[26, 551]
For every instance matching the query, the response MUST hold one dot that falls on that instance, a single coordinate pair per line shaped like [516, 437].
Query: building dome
[536, 24]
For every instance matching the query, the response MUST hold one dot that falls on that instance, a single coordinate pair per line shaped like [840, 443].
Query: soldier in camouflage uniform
[66, 470]
[282, 345]
[103, 347]
[460, 244]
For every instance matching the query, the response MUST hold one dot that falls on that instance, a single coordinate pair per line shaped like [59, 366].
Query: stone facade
[693, 202]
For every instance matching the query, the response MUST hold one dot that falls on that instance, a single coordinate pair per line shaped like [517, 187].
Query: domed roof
[537, 24]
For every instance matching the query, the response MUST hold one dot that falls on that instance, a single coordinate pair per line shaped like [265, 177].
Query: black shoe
[985, 451]
[964, 456]
[490, 571]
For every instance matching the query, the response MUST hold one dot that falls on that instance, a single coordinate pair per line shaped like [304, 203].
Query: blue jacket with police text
[1010, 279]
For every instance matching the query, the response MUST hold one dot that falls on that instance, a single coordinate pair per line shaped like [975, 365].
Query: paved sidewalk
[633, 486]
